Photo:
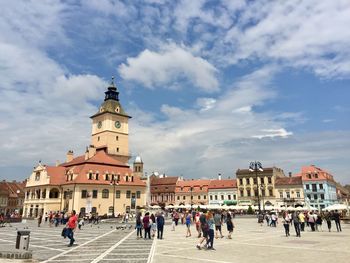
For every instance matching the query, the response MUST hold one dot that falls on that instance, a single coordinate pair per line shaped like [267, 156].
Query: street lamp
[255, 167]
[114, 182]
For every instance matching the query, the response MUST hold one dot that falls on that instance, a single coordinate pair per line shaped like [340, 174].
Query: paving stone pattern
[94, 243]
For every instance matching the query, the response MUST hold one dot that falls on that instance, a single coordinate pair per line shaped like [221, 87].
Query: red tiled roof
[164, 181]
[322, 175]
[81, 172]
[294, 180]
[57, 174]
[222, 184]
[185, 186]
[101, 157]
[11, 188]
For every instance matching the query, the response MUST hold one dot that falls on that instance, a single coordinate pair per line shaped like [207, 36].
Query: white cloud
[271, 133]
[172, 62]
[206, 103]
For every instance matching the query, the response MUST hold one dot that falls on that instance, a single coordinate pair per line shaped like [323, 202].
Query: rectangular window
[269, 180]
[83, 194]
[307, 187]
[178, 197]
[222, 197]
[309, 175]
[117, 194]
[309, 197]
[184, 198]
[255, 192]
[216, 197]
[90, 176]
[96, 176]
[205, 197]
[138, 194]
[199, 197]
[229, 197]
[322, 196]
[270, 192]
[263, 192]
[234, 197]
[255, 181]
[94, 193]
[321, 186]
[211, 198]
[248, 192]
[288, 194]
[281, 194]
[241, 192]
[128, 194]
[315, 197]
[298, 194]
[314, 188]
[116, 138]
[240, 181]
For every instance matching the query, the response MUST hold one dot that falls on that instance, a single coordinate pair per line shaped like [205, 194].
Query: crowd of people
[311, 219]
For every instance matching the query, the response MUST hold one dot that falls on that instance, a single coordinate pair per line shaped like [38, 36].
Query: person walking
[336, 217]
[188, 224]
[153, 225]
[218, 223]
[205, 230]
[211, 223]
[302, 221]
[229, 225]
[286, 222]
[40, 219]
[311, 220]
[71, 225]
[138, 226]
[198, 224]
[296, 222]
[319, 222]
[160, 225]
[146, 226]
[328, 218]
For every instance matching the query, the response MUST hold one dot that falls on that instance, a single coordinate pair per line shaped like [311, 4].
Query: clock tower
[110, 126]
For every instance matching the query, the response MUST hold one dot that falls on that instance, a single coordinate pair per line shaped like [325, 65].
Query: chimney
[219, 176]
[290, 174]
[87, 153]
[92, 151]
[70, 156]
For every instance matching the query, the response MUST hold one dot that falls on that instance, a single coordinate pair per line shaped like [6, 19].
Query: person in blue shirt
[160, 225]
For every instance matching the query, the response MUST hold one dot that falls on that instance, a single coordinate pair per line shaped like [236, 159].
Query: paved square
[254, 243]
[250, 243]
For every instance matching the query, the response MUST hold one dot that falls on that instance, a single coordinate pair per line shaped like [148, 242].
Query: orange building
[193, 192]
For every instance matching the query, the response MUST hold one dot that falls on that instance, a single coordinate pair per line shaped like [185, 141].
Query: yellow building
[100, 181]
[289, 191]
[250, 186]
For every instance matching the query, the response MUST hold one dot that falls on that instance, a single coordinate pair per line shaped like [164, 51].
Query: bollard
[22, 241]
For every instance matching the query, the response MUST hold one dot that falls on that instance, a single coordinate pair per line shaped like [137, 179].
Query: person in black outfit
[336, 217]
[160, 225]
[296, 222]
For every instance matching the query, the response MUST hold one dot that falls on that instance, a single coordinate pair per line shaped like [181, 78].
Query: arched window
[54, 193]
[105, 193]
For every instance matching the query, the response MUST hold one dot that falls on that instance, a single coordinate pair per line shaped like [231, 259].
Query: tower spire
[112, 93]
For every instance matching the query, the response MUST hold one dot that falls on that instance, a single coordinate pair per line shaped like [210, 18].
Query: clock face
[117, 124]
[99, 124]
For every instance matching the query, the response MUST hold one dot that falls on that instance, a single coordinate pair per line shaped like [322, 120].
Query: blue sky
[211, 85]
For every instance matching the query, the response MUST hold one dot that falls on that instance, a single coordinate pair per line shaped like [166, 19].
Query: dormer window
[107, 177]
[127, 178]
[316, 175]
[96, 176]
[37, 176]
[132, 178]
[71, 177]
[117, 109]
[90, 176]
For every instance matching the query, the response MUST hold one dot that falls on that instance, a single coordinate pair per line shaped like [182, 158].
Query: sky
[211, 85]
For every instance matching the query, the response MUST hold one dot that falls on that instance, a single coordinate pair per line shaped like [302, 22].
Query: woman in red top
[71, 225]
[146, 225]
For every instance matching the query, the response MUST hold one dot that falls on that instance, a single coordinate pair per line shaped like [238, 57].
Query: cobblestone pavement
[252, 243]
[94, 243]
